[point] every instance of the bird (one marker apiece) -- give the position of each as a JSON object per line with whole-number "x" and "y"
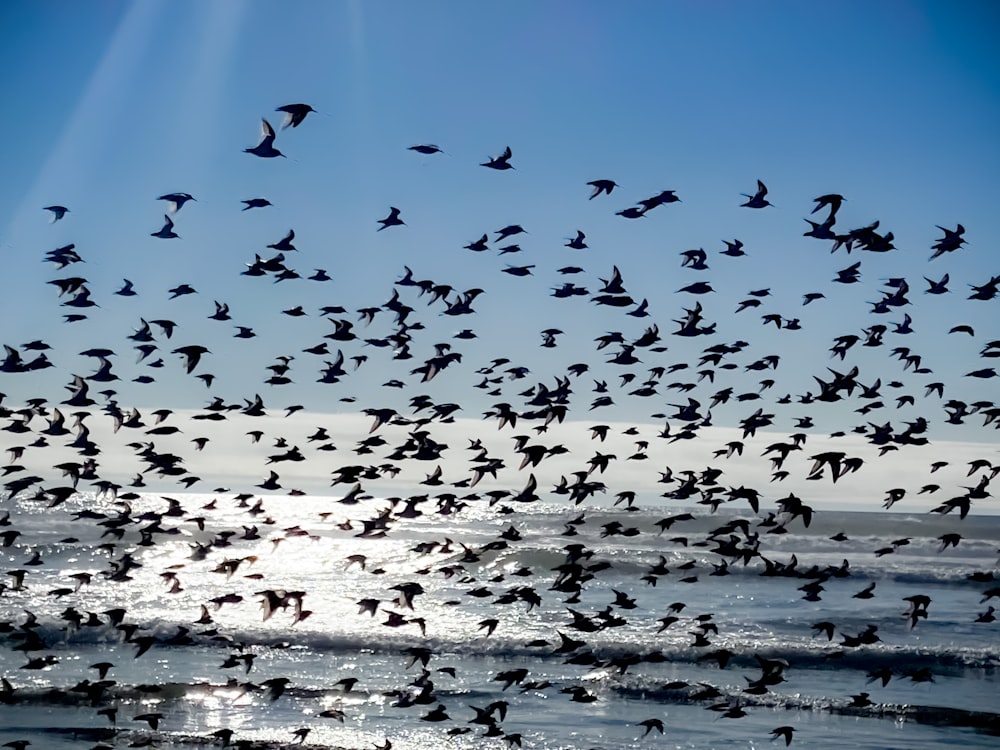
{"x": 501, "y": 162}
{"x": 265, "y": 147}
{"x": 632, "y": 212}
{"x": 175, "y": 201}
{"x": 867, "y": 592}
{"x": 758, "y": 199}
{"x": 392, "y": 220}
{"x": 294, "y": 114}
{"x": 601, "y": 186}
{"x": 951, "y": 241}
{"x": 255, "y": 203}
{"x": 166, "y": 232}
{"x": 152, "y": 718}
{"x": 284, "y": 245}
{"x": 577, "y": 243}
{"x": 733, "y": 249}
{"x": 784, "y": 732}
{"x": 192, "y": 354}
{"x": 58, "y": 212}
{"x": 651, "y": 724}
{"x": 181, "y": 290}
{"x": 832, "y": 201}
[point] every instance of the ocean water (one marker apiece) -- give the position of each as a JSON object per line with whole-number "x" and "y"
{"x": 552, "y": 615}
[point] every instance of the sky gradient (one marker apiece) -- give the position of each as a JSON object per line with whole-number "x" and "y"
{"x": 893, "y": 105}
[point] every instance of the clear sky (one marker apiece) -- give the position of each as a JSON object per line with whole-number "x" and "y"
{"x": 894, "y": 105}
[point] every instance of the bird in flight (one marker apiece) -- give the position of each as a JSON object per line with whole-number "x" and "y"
{"x": 57, "y": 212}
{"x": 601, "y": 186}
{"x": 758, "y": 199}
{"x": 577, "y": 243}
{"x": 294, "y": 114}
{"x": 783, "y": 732}
{"x": 500, "y": 162}
{"x": 951, "y": 241}
{"x": 833, "y": 200}
{"x": 166, "y": 232}
{"x": 392, "y": 220}
{"x": 265, "y": 148}
{"x": 192, "y": 355}
{"x": 176, "y": 201}
{"x": 255, "y": 203}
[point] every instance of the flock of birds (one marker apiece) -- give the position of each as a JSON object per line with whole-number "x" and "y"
{"x": 34, "y": 424}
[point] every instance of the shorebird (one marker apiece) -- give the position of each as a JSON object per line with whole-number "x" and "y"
{"x": 166, "y": 232}
{"x": 265, "y": 148}
{"x": 500, "y": 162}
{"x": 392, "y": 220}
{"x": 175, "y": 201}
{"x": 255, "y": 203}
{"x": 757, "y": 200}
{"x": 58, "y": 212}
{"x": 294, "y": 114}
{"x": 601, "y": 186}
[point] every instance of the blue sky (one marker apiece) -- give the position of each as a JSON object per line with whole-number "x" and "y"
{"x": 894, "y": 105}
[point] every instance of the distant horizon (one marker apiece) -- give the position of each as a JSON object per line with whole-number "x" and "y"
{"x": 229, "y": 447}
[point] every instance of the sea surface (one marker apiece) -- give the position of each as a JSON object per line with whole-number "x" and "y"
{"x": 538, "y": 625}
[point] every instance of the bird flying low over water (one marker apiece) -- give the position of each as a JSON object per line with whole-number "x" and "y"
{"x": 783, "y": 732}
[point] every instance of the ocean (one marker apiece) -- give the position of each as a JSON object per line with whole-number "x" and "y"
{"x": 268, "y": 621}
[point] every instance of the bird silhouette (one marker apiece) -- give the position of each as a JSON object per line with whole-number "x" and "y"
{"x": 501, "y": 162}
{"x": 175, "y": 201}
{"x": 265, "y": 147}
{"x": 758, "y": 199}
{"x": 392, "y": 220}
{"x": 166, "y": 232}
{"x": 58, "y": 212}
{"x": 601, "y": 186}
{"x": 255, "y": 203}
{"x": 294, "y": 114}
